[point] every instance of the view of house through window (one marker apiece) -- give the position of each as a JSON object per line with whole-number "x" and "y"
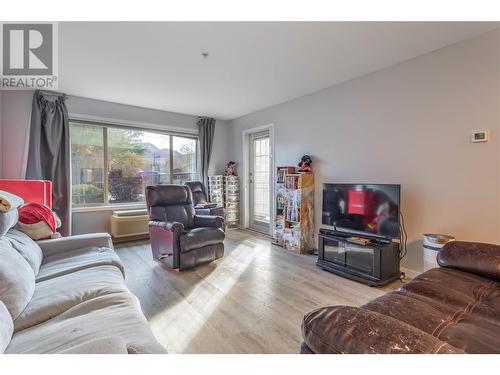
{"x": 114, "y": 165}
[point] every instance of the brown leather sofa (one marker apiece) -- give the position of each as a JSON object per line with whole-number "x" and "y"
{"x": 180, "y": 238}
{"x": 200, "y": 199}
{"x": 451, "y": 309}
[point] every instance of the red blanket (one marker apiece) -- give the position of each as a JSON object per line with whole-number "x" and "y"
{"x": 32, "y": 213}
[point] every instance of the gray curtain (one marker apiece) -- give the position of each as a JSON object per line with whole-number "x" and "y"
{"x": 206, "y": 128}
{"x": 48, "y": 155}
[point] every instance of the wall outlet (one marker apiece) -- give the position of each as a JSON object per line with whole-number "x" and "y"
{"x": 480, "y": 136}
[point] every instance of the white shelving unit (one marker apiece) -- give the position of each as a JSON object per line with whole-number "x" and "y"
{"x": 225, "y": 190}
{"x": 232, "y": 201}
{"x": 216, "y": 189}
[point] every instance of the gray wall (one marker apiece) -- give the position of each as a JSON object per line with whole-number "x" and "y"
{"x": 220, "y": 150}
{"x": 408, "y": 124}
{"x": 109, "y": 110}
{"x": 1, "y": 136}
{"x": 173, "y": 121}
{"x": 16, "y": 111}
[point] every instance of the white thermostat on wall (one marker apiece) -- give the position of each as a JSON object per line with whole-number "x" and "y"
{"x": 480, "y": 136}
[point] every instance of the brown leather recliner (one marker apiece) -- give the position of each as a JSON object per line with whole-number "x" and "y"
{"x": 180, "y": 238}
{"x": 200, "y": 199}
{"x": 451, "y": 309}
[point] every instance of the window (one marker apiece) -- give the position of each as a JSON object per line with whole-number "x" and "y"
{"x": 113, "y": 165}
{"x": 184, "y": 159}
{"x": 87, "y": 161}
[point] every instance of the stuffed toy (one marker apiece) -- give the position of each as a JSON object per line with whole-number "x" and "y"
{"x": 305, "y": 164}
{"x": 38, "y": 221}
{"x": 230, "y": 169}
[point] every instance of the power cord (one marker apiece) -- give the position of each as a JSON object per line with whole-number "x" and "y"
{"x": 403, "y": 237}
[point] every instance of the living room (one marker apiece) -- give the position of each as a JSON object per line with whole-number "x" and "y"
{"x": 250, "y": 187}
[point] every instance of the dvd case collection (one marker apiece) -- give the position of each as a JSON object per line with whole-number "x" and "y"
{"x": 293, "y": 221}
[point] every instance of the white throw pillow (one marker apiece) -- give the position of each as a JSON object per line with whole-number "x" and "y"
{"x": 6, "y": 327}
{"x": 17, "y": 280}
{"x": 9, "y": 201}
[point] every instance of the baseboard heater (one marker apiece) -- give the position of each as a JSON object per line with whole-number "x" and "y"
{"x": 129, "y": 225}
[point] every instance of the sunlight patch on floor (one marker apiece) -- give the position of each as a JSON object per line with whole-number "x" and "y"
{"x": 185, "y": 319}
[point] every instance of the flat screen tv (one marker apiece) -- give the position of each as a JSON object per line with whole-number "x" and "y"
{"x": 371, "y": 209}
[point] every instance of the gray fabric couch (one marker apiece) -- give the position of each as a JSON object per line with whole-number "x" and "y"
{"x": 67, "y": 295}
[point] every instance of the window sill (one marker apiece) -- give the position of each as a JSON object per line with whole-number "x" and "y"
{"x": 109, "y": 207}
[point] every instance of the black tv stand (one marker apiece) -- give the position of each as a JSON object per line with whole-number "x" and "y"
{"x": 375, "y": 263}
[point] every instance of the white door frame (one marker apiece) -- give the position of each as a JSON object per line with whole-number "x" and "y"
{"x": 246, "y": 168}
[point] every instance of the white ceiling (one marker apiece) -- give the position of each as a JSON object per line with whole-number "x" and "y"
{"x": 250, "y": 65}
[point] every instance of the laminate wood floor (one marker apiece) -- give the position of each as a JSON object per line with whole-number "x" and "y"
{"x": 250, "y": 301}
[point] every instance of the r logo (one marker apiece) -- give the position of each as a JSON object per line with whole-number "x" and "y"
{"x": 27, "y": 49}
